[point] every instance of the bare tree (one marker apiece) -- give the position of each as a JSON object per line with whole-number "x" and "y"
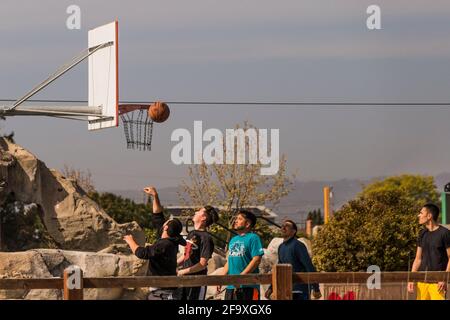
{"x": 235, "y": 186}
{"x": 82, "y": 178}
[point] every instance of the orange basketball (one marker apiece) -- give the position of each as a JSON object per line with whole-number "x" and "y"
{"x": 159, "y": 111}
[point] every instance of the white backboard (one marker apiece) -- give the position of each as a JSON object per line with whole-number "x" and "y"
{"x": 103, "y": 75}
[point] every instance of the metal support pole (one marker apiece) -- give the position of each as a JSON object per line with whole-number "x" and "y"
{"x": 59, "y": 73}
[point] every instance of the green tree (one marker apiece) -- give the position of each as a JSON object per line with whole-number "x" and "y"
{"x": 125, "y": 210}
{"x": 414, "y": 187}
{"x": 379, "y": 227}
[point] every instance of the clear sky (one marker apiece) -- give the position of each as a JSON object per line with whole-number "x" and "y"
{"x": 250, "y": 50}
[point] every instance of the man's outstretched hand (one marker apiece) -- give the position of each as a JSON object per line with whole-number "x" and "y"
{"x": 150, "y": 191}
{"x": 128, "y": 239}
{"x": 131, "y": 242}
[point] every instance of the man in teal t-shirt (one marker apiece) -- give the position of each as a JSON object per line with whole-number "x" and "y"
{"x": 244, "y": 256}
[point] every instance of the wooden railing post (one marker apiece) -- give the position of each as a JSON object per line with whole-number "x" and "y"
{"x": 282, "y": 282}
{"x": 73, "y": 283}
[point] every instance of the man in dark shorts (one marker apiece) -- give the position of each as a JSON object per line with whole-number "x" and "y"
{"x": 199, "y": 245}
{"x": 433, "y": 253}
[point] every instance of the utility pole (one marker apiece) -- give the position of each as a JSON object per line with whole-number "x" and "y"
{"x": 327, "y": 203}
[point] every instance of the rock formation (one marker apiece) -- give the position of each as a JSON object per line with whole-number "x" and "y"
{"x": 63, "y": 215}
{"x": 48, "y": 263}
{"x": 42, "y": 209}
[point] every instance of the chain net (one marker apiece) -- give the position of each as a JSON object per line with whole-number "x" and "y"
{"x": 138, "y": 128}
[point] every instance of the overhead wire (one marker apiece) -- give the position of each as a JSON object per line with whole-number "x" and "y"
{"x": 261, "y": 103}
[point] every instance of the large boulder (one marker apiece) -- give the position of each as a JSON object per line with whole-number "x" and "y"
{"x": 48, "y": 263}
{"x": 70, "y": 217}
{"x": 105, "y": 265}
{"x": 27, "y": 264}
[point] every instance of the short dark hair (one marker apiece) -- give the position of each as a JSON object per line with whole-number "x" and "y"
{"x": 433, "y": 209}
{"x": 294, "y": 225}
{"x": 174, "y": 228}
{"x": 211, "y": 215}
{"x": 249, "y": 216}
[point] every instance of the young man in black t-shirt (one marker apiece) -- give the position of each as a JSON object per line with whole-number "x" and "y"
{"x": 199, "y": 249}
{"x": 433, "y": 253}
{"x": 162, "y": 256}
{"x": 199, "y": 245}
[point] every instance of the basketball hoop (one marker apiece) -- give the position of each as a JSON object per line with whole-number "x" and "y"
{"x": 103, "y": 109}
{"x": 138, "y": 119}
{"x": 137, "y": 125}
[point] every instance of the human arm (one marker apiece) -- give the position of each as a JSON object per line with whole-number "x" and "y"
{"x": 146, "y": 252}
{"x": 180, "y": 260}
{"x": 256, "y": 251}
{"x": 141, "y": 252}
{"x": 253, "y": 264}
{"x": 302, "y": 256}
{"x": 158, "y": 218}
{"x": 415, "y": 267}
{"x": 225, "y": 269}
{"x": 202, "y": 264}
{"x": 207, "y": 249}
{"x": 131, "y": 243}
{"x": 442, "y": 286}
{"x": 156, "y": 204}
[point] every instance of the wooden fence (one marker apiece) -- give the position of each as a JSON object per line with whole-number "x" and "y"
{"x": 281, "y": 278}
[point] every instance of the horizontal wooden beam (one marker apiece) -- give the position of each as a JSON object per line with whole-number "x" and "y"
{"x": 192, "y": 281}
{"x": 43, "y": 283}
{"x": 361, "y": 277}
{"x": 136, "y": 282}
{"x": 174, "y": 281}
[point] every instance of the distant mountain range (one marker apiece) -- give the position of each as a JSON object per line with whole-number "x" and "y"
{"x": 305, "y": 196}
